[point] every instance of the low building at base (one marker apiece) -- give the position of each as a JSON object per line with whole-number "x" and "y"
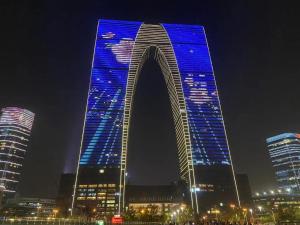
{"x": 164, "y": 198}
{"x": 29, "y": 207}
{"x": 276, "y": 199}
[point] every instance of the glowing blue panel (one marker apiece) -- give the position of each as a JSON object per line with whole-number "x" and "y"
{"x": 209, "y": 145}
{"x": 104, "y": 117}
{"x": 186, "y": 33}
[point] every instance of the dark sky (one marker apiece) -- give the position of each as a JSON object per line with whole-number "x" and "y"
{"x": 152, "y": 151}
{"x": 45, "y": 57}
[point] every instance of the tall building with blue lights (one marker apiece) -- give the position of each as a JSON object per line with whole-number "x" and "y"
{"x": 284, "y": 151}
{"x": 121, "y": 48}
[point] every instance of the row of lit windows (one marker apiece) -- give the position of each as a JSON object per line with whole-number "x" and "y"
{"x": 107, "y": 202}
{"x": 95, "y": 185}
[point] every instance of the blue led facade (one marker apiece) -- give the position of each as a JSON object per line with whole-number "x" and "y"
{"x": 209, "y": 145}
{"x": 121, "y": 48}
{"x": 103, "y": 128}
{"x": 104, "y": 118}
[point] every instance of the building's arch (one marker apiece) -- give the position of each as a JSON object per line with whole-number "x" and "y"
{"x": 121, "y": 49}
{"x": 153, "y": 41}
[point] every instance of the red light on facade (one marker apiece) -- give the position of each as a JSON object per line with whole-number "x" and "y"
{"x": 117, "y": 219}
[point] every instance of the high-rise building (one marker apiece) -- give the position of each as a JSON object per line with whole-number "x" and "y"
{"x": 121, "y": 48}
{"x": 15, "y": 129}
{"x": 284, "y": 150}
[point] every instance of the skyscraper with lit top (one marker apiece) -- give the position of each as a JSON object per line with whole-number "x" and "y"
{"x": 15, "y": 129}
{"x": 284, "y": 150}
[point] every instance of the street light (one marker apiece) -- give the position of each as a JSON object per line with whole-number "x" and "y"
{"x": 259, "y": 208}
{"x": 251, "y": 213}
{"x": 174, "y": 215}
{"x": 38, "y": 209}
{"x": 55, "y": 211}
{"x": 216, "y": 211}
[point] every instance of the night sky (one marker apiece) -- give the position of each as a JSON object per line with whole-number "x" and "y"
{"x": 45, "y": 58}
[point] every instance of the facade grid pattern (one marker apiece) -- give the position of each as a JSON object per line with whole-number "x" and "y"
{"x": 15, "y": 129}
{"x": 121, "y": 48}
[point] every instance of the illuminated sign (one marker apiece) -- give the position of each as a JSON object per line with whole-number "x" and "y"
{"x": 117, "y": 219}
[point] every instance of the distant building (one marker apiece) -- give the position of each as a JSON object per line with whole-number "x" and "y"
{"x": 23, "y": 207}
{"x": 15, "y": 129}
{"x": 276, "y": 199}
{"x": 284, "y": 150}
{"x": 65, "y": 192}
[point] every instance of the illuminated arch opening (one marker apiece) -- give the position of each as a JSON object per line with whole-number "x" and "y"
{"x": 152, "y": 149}
{"x": 162, "y": 52}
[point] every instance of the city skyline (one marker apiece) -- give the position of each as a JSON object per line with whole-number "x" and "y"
{"x": 249, "y": 66}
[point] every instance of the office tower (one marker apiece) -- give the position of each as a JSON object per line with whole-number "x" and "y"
{"x": 284, "y": 151}
{"x": 15, "y": 129}
{"x": 121, "y": 48}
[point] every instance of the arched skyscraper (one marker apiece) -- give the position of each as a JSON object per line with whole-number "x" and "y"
{"x": 121, "y": 48}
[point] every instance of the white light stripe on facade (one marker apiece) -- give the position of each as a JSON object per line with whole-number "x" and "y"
{"x": 83, "y": 127}
{"x": 8, "y": 171}
{"x": 9, "y": 154}
{"x": 12, "y": 147}
{"x": 12, "y": 163}
{"x": 13, "y": 142}
{"x": 232, "y": 167}
{"x": 9, "y": 180}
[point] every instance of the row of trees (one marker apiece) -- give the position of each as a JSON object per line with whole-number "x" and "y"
{"x": 281, "y": 213}
{"x": 146, "y": 214}
{"x": 152, "y": 213}
{"x": 265, "y": 214}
